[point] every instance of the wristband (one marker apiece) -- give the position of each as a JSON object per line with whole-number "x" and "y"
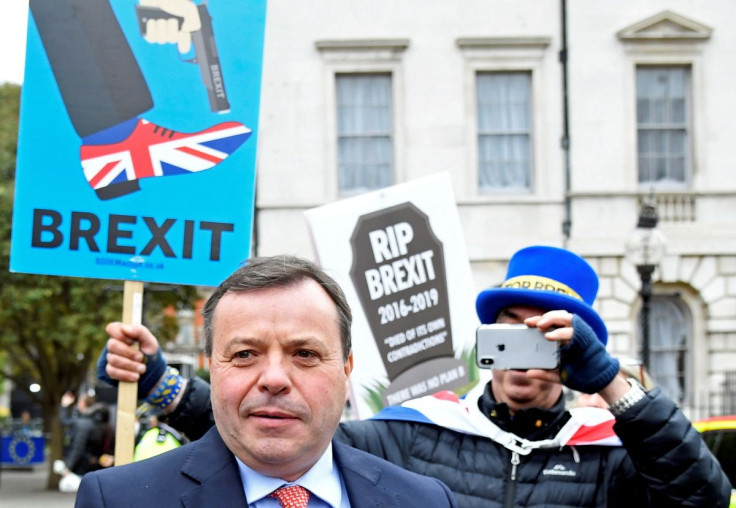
{"x": 167, "y": 390}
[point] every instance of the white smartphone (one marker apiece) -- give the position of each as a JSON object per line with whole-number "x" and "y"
{"x": 514, "y": 346}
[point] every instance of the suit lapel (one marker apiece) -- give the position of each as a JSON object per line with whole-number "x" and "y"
{"x": 363, "y": 477}
{"x": 214, "y": 470}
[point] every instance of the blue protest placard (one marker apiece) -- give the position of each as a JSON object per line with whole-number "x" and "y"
{"x": 137, "y": 141}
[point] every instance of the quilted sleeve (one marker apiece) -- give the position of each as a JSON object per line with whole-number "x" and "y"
{"x": 669, "y": 455}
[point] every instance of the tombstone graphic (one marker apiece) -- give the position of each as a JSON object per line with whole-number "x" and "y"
{"x": 398, "y": 271}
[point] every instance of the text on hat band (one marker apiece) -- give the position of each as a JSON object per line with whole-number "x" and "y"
{"x": 538, "y": 283}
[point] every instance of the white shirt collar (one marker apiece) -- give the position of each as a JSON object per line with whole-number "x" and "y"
{"x": 322, "y": 479}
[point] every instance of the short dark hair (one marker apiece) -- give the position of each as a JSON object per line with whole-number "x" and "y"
{"x": 278, "y": 271}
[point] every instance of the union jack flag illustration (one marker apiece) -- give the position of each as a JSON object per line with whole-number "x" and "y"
{"x": 586, "y": 426}
{"x": 152, "y": 151}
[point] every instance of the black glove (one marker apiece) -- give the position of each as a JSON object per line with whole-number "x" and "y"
{"x": 155, "y": 368}
{"x": 585, "y": 365}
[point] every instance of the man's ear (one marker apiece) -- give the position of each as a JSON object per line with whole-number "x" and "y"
{"x": 348, "y": 370}
{"x": 349, "y": 365}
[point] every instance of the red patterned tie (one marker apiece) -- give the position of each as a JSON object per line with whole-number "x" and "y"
{"x": 293, "y": 496}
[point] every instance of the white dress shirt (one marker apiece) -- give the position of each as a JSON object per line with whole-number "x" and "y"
{"x": 323, "y": 480}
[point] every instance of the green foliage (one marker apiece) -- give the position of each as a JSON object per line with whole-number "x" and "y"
{"x": 467, "y": 355}
{"x": 373, "y": 395}
{"x": 9, "y": 104}
{"x": 52, "y": 328}
{"x": 203, "y": 374}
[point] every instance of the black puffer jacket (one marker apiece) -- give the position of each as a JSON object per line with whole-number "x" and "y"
{"x": 663, "y": 463}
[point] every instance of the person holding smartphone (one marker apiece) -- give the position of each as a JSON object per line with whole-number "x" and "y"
{"x": 512, "y": 442}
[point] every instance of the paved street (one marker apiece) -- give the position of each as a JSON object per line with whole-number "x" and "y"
{"x": 26, "y": 489}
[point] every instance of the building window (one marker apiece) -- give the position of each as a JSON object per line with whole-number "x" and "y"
{"x": 185, "y": 336}
{"x": 663, "y": 124}
{"x": 504, "y": 130}
{"x": 671, "y": 327}
{"x": 364, "y": 132}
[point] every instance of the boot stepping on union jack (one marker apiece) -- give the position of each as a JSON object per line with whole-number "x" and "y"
{"x": 113, "y": 170}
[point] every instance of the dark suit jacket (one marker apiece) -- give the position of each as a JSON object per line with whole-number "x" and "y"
{"x": 204, "y": 473}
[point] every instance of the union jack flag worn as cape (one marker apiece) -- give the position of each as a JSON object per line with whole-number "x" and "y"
{"x": 151, "y": 150}
{"x": 587, "y": 425}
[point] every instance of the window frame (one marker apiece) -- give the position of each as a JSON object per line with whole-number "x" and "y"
{"x": 664, "y": 39}
{"x": 361, "y": 56}
{"x": 529, "y": 133}
{"x": 505, "y": 54}
{"x": 365, "y": 135}
{"x": 688, "y": 155}
{"x": 684, "y": 373}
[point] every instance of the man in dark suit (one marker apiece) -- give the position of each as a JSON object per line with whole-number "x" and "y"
{"x": 277, "y": 334}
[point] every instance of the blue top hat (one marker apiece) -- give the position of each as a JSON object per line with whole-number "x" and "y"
{"x": 549, "y": 278}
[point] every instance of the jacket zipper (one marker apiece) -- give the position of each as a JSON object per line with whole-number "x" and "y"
{"x": 511, "y": 486}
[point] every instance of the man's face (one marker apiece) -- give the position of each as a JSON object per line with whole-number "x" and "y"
{"x": 513, "y": 386}
{"x": 279, "y": 381}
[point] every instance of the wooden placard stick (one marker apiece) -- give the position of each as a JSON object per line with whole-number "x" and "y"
{"x": 128, "y": 391}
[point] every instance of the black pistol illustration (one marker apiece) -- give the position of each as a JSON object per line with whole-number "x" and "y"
{"x": 205, "y": 52}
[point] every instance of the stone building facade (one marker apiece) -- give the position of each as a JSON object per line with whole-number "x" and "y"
{"x": 605, "y": 102}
